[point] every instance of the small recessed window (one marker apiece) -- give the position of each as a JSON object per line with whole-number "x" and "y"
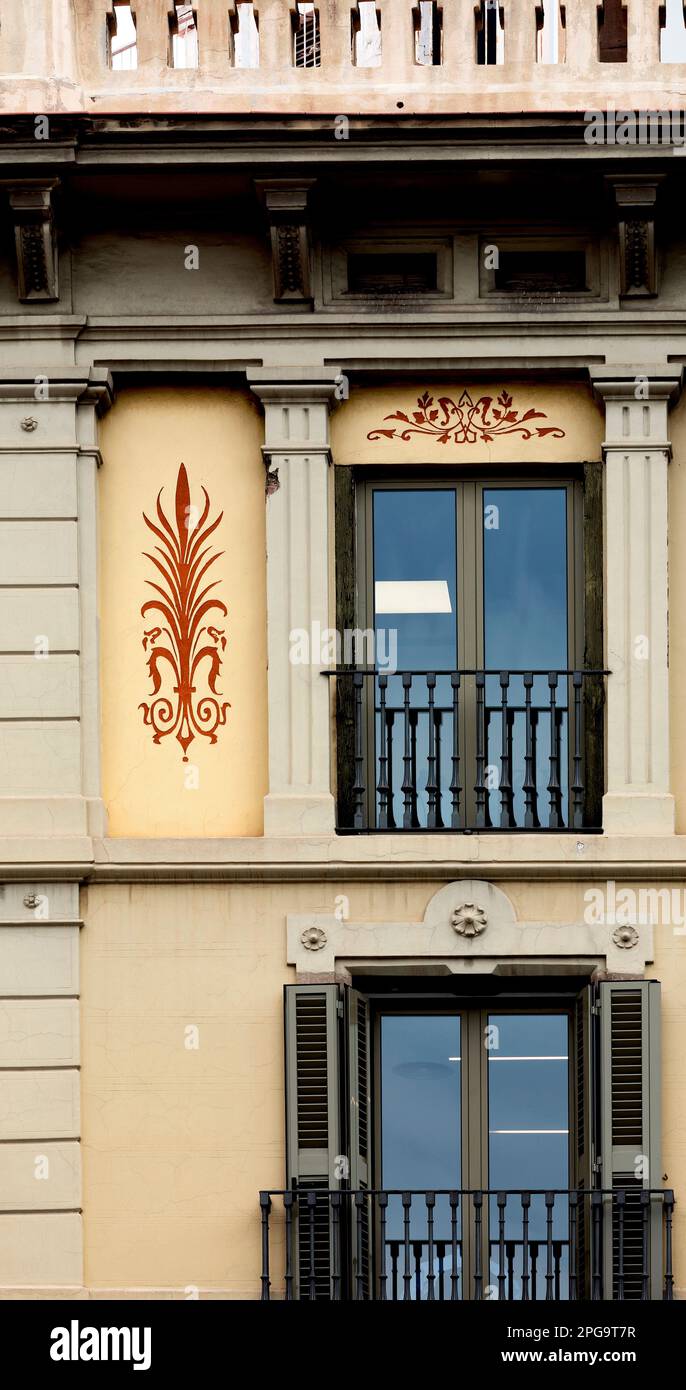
{"x": 184, "y": 37}
{"x": 540, "y": 272}
{"x": 245, "y": 35}
{"x": 306, "y": 46}
{"x": 121, "y": 27}
{"x": 370, "y": 273}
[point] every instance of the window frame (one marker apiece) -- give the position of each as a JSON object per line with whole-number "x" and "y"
{"x": 469, "y": 486}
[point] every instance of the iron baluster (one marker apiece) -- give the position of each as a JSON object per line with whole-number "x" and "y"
{"x": 408, "y": 789}
{"x": 383, "y": 786}
{"x": 433, "y": 813}
{"x": 265, "y": 1206}
{"x": 482, "y": 816}
{"x": 289, "y": 1200}
{"x": 549, "y": 1275}
{"x": 407, "y": 1278}
{"x": 478, "y": 1274}
{"x": 596, "y": 1249}
{"x": 336, "y": 1246}
{"x": 502, "y": 1203}
{"x": 573, "y": 1255}
{"x": 530, "y": 789}
{"x": 382, "y": 1203}
{"x": 455, "y": 788}
{"x": 526, "y": 1203}
{"x": 454, "y": 1277}
{"x": 668, "y": 1294}
{"x": 555, "y": 820}
{"x": 507, "y": 820}
{"x": 430, "y": 1204}
{"x": 359, "y": 789}
{"x": 577, "y": 778}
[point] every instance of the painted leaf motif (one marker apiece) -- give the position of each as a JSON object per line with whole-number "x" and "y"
{"x": 189, "y": 708}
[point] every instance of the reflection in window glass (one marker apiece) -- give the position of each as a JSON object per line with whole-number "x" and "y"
{"x": 526, "y": 627}
{"x": 421, "y": 1130}
{"x": 528, "y": 1136}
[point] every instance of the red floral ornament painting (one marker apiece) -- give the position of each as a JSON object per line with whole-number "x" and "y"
{"x": 185, "y": 649}
{"x": 466, "y": 421}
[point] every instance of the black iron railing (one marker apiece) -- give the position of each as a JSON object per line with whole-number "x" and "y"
{"x": 517, "y": 1246}
{"x": 469, "y": 749}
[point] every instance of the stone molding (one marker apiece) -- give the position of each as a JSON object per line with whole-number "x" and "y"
{"x": 432, "y": 946}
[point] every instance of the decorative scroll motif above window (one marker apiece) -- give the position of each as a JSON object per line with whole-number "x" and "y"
{"x": 466, "y": 421}
{"x": 185, "y": 647}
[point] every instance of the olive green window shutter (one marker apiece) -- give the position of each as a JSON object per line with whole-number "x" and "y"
{"x": 629, "y": 1138}
{"x": 314, "y": 1083}
{"x": 358, "y": 1093}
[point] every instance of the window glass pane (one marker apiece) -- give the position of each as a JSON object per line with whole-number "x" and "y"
{"x": 528, "y": 1135}
{"x": 415, "y": 605}
{"x": 421, "y": 1129}
{"x": 526, "y": 627}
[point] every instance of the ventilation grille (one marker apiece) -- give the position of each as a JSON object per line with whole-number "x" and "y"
{"x": 362, "y": 1074}
{"x": 392, "y": 273}
{"x": 311, "y": 1072}
{"x": 541, "y": 272}
{"x": 627, "y": 1068}
{"x": 314, "y": 1230}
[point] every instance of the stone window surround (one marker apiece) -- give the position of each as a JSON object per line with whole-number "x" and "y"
{"x": 470, "y": 928}
{"x": 636, "y": 452}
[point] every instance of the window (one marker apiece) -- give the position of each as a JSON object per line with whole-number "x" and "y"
{"x": 386, "y": 273}
{"x": 184, "y": 37}
{"x": 502, "y": 1133}
{"x": 470, "y": 711}
{"x": 612, "y": 32}
{"x": 245, "y": 36}
{"x": 366, "y": 35}
{"x": 121, "y": 31}
{"x": 540, "y": 272}
{"x": 306, "y": 44}
{"x": 427, "y": 34}
{"x": 490, "y": 34}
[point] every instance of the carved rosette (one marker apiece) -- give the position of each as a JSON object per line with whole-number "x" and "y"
{"x": 469, "y": 919}
{"x": 625, "y": 937}
{"x": 313, "y": 938}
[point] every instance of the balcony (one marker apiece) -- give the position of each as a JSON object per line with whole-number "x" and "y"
{"x": 391, "y": 57}
{"x": 515, "y": 1246}
{"x": 469, "y": 750}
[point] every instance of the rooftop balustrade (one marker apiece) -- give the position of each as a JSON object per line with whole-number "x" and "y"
{"x": 342, "y": 57}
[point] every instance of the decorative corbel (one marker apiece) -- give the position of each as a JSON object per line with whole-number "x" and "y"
{"x": 636, "y": 198}
{"x": 34, "y": 237}
{"x": 286, "y": 203}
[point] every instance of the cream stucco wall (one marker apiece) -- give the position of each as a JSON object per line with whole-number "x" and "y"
{"x": 217, "y": 434}
{"x": 677, "y": 609}
{"x": 178, "y": 1139}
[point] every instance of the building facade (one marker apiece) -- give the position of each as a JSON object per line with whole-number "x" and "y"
{"x": 342, "y": 598}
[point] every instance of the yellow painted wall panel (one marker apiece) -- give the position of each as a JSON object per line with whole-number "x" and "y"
{"x": 146, "y": 437}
